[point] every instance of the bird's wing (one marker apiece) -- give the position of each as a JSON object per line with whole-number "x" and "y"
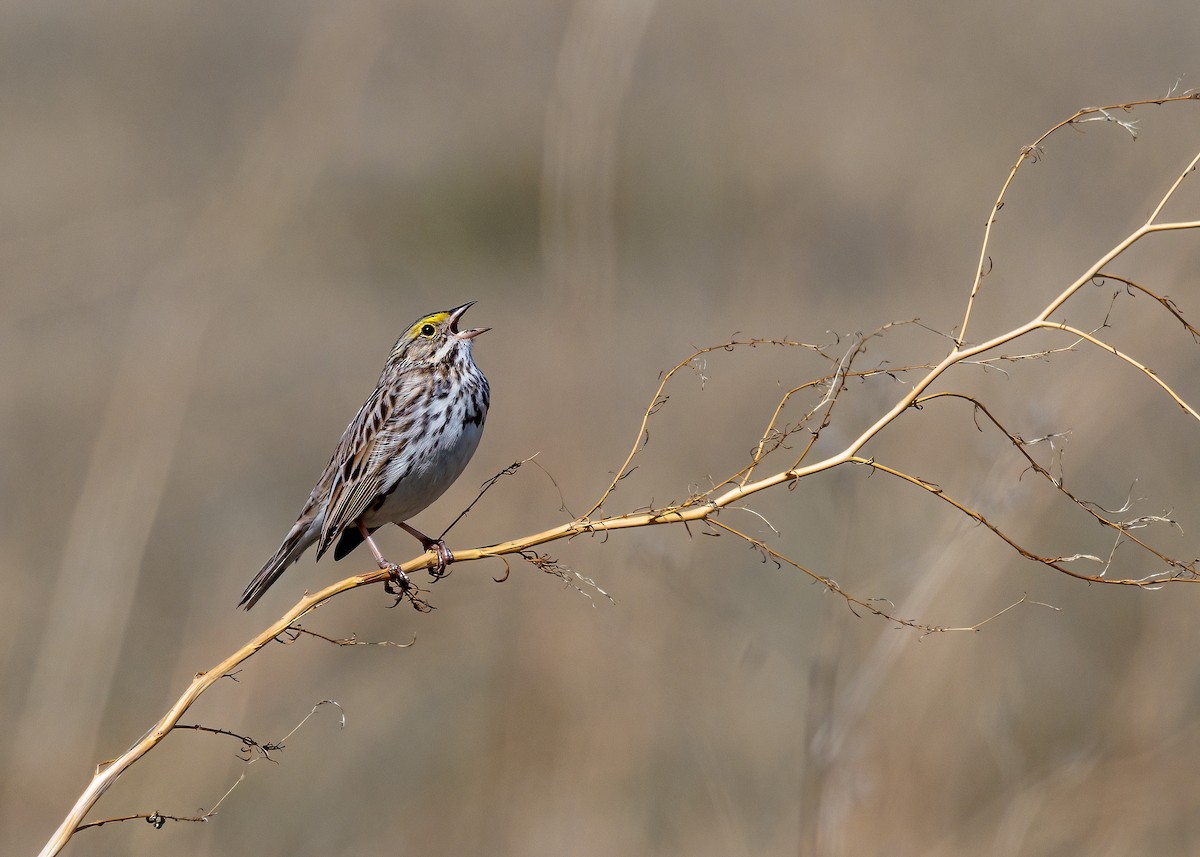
{"x": 356, "y": 471}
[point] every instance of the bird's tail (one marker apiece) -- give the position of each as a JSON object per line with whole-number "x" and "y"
{"x": 297, "y": 541}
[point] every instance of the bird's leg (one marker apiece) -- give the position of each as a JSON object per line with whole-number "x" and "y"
{"x": 444, "y": 556}
{"x": 398, "y": 584}
{"x": 383, "y": 563}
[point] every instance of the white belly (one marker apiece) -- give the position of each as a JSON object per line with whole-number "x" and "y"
{"x": 413, "y": 481}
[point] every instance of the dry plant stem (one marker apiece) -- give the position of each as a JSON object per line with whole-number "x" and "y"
{"x": 1033, "y": 152}
{"x": 658, "y": 400}
{"x": 851, "y": 600}
{"x": 1053, "y": 562}
{"x": 1166, "y": 302}
{"x": 202, "y": 681}
{"x": 704, "y": 506}
{"x": 1124, "y": 530}
{"x": 962, "y": 354}
{"x": 773, "y": 437}
{"x": 1141, "y": 367}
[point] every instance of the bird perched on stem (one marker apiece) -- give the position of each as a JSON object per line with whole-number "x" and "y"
{"x": 405, "y": 447}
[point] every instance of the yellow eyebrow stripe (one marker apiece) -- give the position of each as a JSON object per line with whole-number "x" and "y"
{"x": 436, "y": 320}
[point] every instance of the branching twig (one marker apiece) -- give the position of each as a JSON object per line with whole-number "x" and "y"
{"x": 1185, "y": 570}
{"x": 484, "y": 488}
{"x": 295, "y": 632}
{"x": 158, "y": 819}
{"x": 704, "y": 506}
{"x": 659, "y": 399}
{"x": 1185, "y": 575}
{"x": 1116, "y": 352}
{"x": 852, "y": 601}
{"x": 978, "y": 626}
{"x": 1167, "y": 303}
{"x": 1033, "y": 153}
{"x": 248, "y": 743}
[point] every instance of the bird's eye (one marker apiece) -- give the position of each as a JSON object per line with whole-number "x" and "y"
{"x": 427, "y": 330}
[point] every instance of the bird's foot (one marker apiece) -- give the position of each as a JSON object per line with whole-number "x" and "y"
{"x": 438, "y": 546}
{"x": 444, "y": 558}
{"x": 397, "y": 583}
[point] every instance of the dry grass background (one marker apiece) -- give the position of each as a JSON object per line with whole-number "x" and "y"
{"x": 217, "y": 217}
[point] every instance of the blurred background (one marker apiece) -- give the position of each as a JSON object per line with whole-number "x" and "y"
{"x": 217, "y": 217}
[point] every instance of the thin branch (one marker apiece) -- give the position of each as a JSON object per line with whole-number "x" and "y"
{"x": 1178, "y": 181}
{"x": 1168, "y": 304}
{"x": 1054, "y": 562}
{"x": 978, "y": 626}
{"x": 704, "y": 506}
{"x": 1033, "y": 153}
{"x": 659, "y": 399}
{"x": 837, "y": 385}
{"x": 158, "y": 819}
{"x": 295, "y": 632}
{"x": 248, "y": 743}
{"x": 773, "y": 438}
{"x": 1116, "y": 352}
{"x": 1122, "y": 528}
{"x": 484, "y": 488}
{"x": 852, "y": 601}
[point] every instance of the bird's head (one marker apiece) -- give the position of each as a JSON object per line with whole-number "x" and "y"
{"x": 436, "y": 337}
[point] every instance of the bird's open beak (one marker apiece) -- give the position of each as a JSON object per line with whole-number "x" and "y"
{"x": 456, "y": 314}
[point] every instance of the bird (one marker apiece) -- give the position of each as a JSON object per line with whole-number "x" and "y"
{"x": 407, "y": 444}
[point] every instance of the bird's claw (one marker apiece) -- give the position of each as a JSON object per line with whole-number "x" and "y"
{"x": 444, "y": 558}
{"x": 397, "y": 583}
